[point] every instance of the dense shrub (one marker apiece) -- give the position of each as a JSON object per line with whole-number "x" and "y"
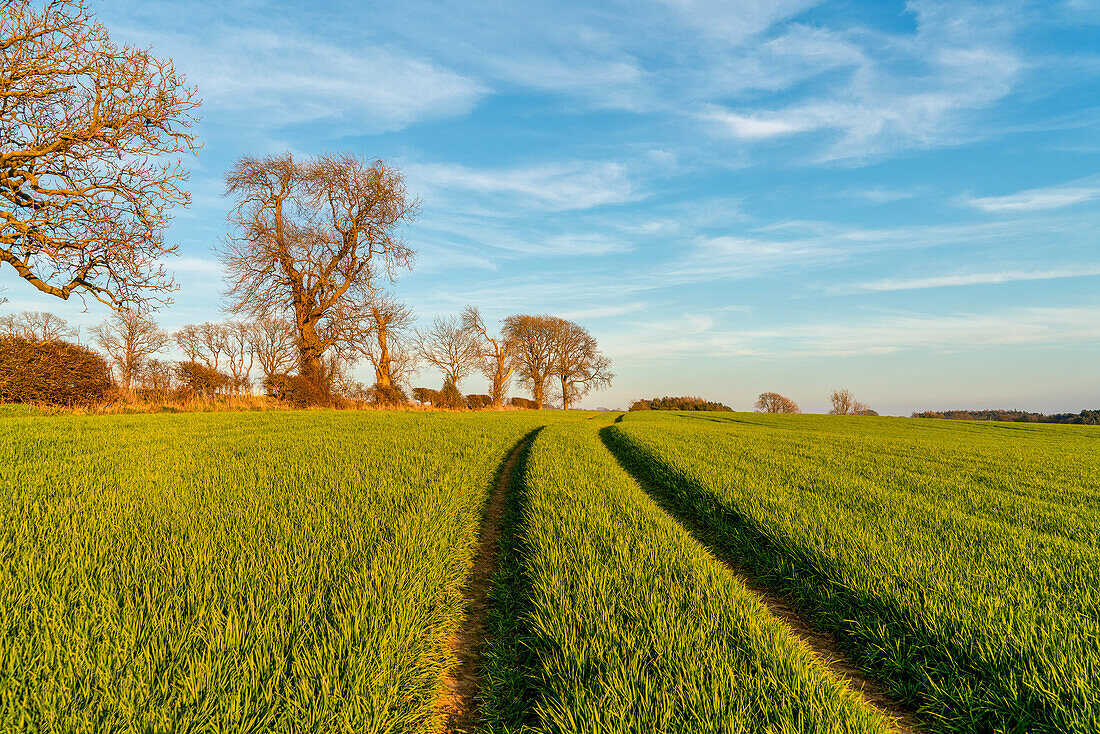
{"x": 425, "y": 395}
{"x": 523, "y": 403}
{"x": 198, "y": 379}
{"x": 297, "y": 390}
{"x": 478, "y": 402}
{"x": 684, "y": 403}
{"x": 52, "y": 372}
{"x": 387, "y": 396}
{"x": 450, "y": 397}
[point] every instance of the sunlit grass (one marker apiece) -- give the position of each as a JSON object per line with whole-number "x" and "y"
{"x": 292, "y": 571}
{"x": 958, "y": 560}
{"x": 609, "y": 617}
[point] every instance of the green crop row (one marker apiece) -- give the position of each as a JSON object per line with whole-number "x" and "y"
{"x": 608, "y": 617}
{"x": 959, "y": 562}
{"x": 290, "y": 572}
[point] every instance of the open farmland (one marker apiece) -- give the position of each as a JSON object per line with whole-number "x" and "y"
{"x": 310, "y": 571}
{"x": 958, "y": 560}
{"x": 216, "y": 572}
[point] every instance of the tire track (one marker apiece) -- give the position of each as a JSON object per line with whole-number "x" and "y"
{"x": 458, "y": 705}
{"x": 823, "y": 646}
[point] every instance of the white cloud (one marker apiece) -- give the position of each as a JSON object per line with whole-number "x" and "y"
{"x": 964, "y": 279}
{"x": 282, "y": 74}
{"x": 904, "y": 91}
{"x": 555, "y": 187}
{"x": 1035, "y": 199}
{"x": 868, "y": 336}
{"x": 752, "y": 128}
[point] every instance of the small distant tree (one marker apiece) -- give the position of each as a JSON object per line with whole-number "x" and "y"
{"x": 156, "y": 376}
{"x": 845, "y": 404}
{"x": 450, "y": 346}
{"x": 523, "y": 403}
{"x": 495, "y": 355}
{"x": 423, "y": 395}
{"x": 129, "y": 338}
{"x": 450, "y": 397}
{"x": 237, "y": 339}
{"x": 91, "y": 138}
{"x": 773, "y": 402}
{"x": 272, "y": 342}
{"x": 478, "y": 402}
{"x": 532, "y": 339}
{"x": 201, "y": 379}
{"x": 577, "y": 363}
{"x": 36, "y": 326}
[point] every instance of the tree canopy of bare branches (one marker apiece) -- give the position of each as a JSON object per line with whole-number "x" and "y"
{"x": 90, "y": 139}
{"x": 843, "y": 403}
{"x": 236, "y": 344}
{"x": 310, "y": 239}
{"x": 494, "y": 354}
{"x": 381, "y": 338}
{"x": 129, "y": 338}
{"x": 36, "y": 326}
{"x": 577, "y": 363}
{"x": 773, "y": 402}
{"x": 532, "y": 339}
{"x": 273, "y": 344}
{"x": 451, "y": 347}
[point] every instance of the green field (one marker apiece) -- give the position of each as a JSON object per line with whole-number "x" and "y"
{"x": 303, "y": 571}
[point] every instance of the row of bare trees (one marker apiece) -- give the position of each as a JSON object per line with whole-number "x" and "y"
{"x": 92, "y": 136}
{"x": 841, "y": 400}
{"x": 550, "y": 356}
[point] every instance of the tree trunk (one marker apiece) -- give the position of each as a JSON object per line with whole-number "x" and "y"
{"x": 564, "y": 394}
{"x": 537, "y": 393}
{"x": 383, "y": 371}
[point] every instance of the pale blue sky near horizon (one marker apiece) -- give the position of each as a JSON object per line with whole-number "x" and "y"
{"x": 735, "y": 197}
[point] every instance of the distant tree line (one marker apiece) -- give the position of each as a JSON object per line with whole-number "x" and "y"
{"x": 683, "y": 403}
{"x": 1085, "y": 417}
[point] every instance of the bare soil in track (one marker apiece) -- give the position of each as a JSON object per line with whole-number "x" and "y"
{"x": 824, "y": 648}
{"x": 458, "y": 705}
{"x": 822, "y": 645}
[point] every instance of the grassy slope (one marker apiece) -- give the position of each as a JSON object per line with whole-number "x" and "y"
{"x": 291, "y": 571}
{"x": 608, "y": 617}
{"x": 960, "y": 560}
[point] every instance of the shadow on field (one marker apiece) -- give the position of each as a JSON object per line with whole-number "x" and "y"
{"x": 793, "y": 585}
{"x": 509, "y": 673}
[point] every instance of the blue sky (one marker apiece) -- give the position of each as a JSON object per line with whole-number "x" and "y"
{"x": 898, "y": 198}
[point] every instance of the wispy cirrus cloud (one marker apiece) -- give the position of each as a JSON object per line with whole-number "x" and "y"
{"x": 1053, "y": 197}
{"x": 904, "y": 91}
{"x": 554, "y": 186}
{"x": 967, "y": 279}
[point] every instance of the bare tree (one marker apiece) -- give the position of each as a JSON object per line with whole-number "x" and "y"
{"x": 90, "y": 134}
{"x": 129, "y": 338}
{"x": 449, "y": 346}
{"x": 310, "y": 240}
{"x": 844, "y": 404}
{"x": 202, "y": 343}
{"x": 773, "y": 402}
{"x": 274, "y": 345}
{"x": 236, "y": 344}
{"x": 495, "y": 355}
{"x": 37, "y": 326}
{"x": 381, "y": 337}
{"x": 577, "y": 362}
{"x": 189, "y": 339}
{"x": 532, "y": 339}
